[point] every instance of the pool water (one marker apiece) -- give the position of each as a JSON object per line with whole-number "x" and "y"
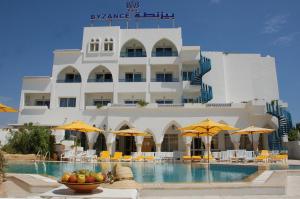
{"x": 145, "y": 172}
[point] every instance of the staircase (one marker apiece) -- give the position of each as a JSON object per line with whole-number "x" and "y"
{"x": 284, "y": 124}
{"x": 205, "y": 90}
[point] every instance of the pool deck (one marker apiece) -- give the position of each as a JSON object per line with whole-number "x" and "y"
{"x": 266, "y": 184}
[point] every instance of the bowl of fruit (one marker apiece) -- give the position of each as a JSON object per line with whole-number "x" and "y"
{"x": 82, "y": 181}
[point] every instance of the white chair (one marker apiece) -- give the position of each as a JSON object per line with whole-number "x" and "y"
{"x": 225, "y": 156}
{"x": 241, "y": 155}
{"x": 90, "y": 155}
{"x": 216, "y": 155}
{"x": 249, "y": 156}
{"x": 67, "y": 155}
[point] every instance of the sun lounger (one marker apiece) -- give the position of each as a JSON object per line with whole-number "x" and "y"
{"x": 90, "y": 155}
{"x": 187, "y": 158}
{"x": 249, "y": 156}
{"x": 240, "y": 155}
{"x": 279, "y": 158}
{"x": 196, "y": 158}
{"x": 139, "y": 158}
{"x": 263, "y": 157}
{"x": 126, "y": 158}
{"x": 149, "y": 158}
{"x": 117, "y": 156}
{"x": 211, "y": 158}
{"x": 104, "y": 156}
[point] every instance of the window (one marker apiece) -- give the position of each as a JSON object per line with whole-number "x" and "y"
{"x": 131, "y": 101}
{"x": 135, "y": 52}
{"x": 101, "y": 77}
{"x": 101, "y": 102}
{"x": 187, "y": 75}
{"x": 42, "y": 103}
{"x": 108, "y": 45}
{"x": 164, "y": 101}
{"x": 164, "y": 52}
{"x": 170, "y": 143}
{"x": 73, "y": 78}
{"x": 164, "y": 77}
{"x": 189, "y": 100}
{"x": 67, "y": 102}
{"x": 133, "y": 77}
{"x": 94, "y": 45}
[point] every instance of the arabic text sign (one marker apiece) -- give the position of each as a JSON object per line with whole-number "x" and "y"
{"x": 127, "y": 16}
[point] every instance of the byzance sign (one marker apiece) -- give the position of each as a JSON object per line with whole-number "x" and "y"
{"x": 132, "y": 13}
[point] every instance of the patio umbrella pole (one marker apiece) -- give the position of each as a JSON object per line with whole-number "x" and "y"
{"x": 253, "y": 143}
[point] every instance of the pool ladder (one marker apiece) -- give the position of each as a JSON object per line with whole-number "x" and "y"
{"x": 42, "y": 157}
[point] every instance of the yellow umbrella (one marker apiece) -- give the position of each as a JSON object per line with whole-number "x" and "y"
{"x": 78, "y": 126}
{"x": 251, "y": 130}
{"x": 131, "y": 132}
{"x": 4, "y": 108}
{"x": 206, "y": 128}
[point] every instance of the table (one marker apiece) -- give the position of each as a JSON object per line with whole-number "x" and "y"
{"x": 103, "y": 193}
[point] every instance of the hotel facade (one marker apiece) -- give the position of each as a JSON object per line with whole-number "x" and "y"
{"x": 107, "y": 82}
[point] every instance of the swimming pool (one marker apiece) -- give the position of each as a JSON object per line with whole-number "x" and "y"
{"x": 146, "y": 172}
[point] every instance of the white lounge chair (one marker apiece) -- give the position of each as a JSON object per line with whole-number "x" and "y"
{"x": 249, "y": 156}
{"x": 225, "y": 156}
{"x": 90, "y": 155}
{"x": 67, "y": 155}
{"x": 216, "y": 155}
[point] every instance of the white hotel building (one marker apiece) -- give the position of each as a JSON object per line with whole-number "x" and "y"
{"x": 116, "y": 68}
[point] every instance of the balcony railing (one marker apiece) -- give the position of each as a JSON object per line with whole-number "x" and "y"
{"x": 165, "y": 80}
{"x": 133, "y": 54}
{"x": 205, "y": 65}
{"x": 132, "y": 80}
{"x": 165, "y": 54}
{"x": 68, "y": 81}
{"x": 100, "y": 80}
{"x": 170, "y": 105}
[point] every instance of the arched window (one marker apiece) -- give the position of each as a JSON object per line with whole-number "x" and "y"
{"x": 108, "y": 45}
{"x": 94, "y": 45}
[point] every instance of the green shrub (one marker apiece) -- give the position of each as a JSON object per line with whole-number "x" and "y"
{"x": 293, "y": 134}
{"x": 30, "y": 139}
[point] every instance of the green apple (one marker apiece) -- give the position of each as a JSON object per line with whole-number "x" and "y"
{"x": 99, "y": 177}
{"x": 81, "y": 178}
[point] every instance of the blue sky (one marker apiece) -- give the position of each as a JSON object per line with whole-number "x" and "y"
{"x": 32, "y": 29}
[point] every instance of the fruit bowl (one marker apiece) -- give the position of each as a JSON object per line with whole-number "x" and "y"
{"x": 82, "y": 187}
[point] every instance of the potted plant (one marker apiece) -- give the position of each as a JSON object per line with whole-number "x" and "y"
{"x": 99, "y": 106}
{"x": 2, "y": 167}
{"x": 142, "y": 103}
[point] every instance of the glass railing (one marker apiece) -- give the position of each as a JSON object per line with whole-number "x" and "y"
{"x": 133, "y": 54}
{"x": 165, "y": 80}
{"x": 68, "y": 81}
{"x": 132, "y": 80}
{"x": 100, "y": 80}
{"x": 165, "y": 54}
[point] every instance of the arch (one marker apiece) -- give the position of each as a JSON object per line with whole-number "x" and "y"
{"x": 164, "y": 48}
{"x": 100, "y": 144}
{"x": 148, "y": 144}
{"x": 123, "y": 123}
{"x": 133, "y": 48}
{"x": 69, "y": 74}
{"x": 126, "y": 144}
{"x": 171, "y": 141}
{"x": 100, "y": 74}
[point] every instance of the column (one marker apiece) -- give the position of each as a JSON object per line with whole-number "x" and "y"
{"x": 235, "y": 139}
{"x": 158, "y": 147}
{"x": 207, "y": 142}
{"x": 188, "y": 149}
{"x": 148, "y": 81}
{"x": 92, "y": 139}
{"x": 255, "y": 141}
{"x": 139, "y": 143}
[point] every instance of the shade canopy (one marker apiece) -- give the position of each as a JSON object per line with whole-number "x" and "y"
{"x": 78, "y": 126}
{"x": 209, "y": 127}
{"x": 4, "y": 108}
{"x": 194, "y": 133}
{"x": 131, "y": 132}
{"x": 253, "y": 130}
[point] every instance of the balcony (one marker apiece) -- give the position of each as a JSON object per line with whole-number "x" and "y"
{"x": 165, "y": 54}
{"x": 165, "y": 86}
{"x": 36, "y": 84}
{"x": 133, "y": 80}
{"x": 68, "y": 81}
{"x": 165, "y": 80}
{"x": 100, "y": 80}
{"x": 133, "y": 54}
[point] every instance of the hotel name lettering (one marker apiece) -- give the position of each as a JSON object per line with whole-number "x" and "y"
{"x": 128, "y": 16}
